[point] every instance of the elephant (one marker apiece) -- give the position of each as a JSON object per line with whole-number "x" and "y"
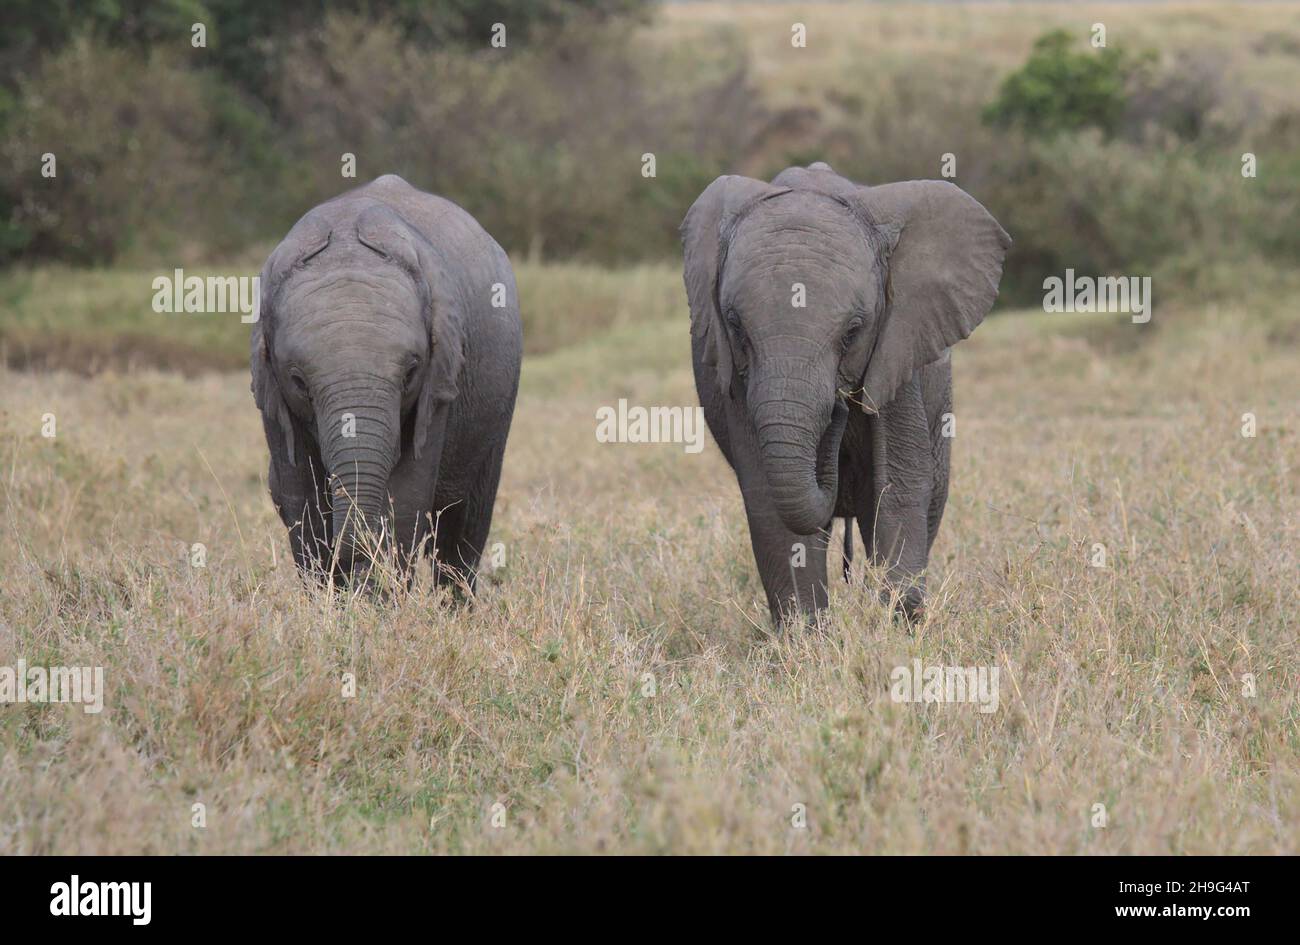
{"x": 823, "y": 314}
{"x": 385, "y": 362}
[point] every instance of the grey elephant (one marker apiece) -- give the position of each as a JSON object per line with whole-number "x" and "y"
{"x": 822, "y": 318}
{"x": 385, "y": 362}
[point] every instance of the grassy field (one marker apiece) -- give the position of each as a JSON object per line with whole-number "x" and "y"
{"x": 616, "y": 687}
{"x": 60, "y": 318}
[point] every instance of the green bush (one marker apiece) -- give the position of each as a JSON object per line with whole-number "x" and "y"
{"x": 1063, "y": 89}
{"x": 543, "y": 145}
{"x": 246, "y": 39}
{"x": 145, "y": 152}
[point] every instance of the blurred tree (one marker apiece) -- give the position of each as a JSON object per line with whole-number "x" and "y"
{"x": 235, "y": 82}
{"x": 246, "y": 38}
{"x": 1063, "y": 89}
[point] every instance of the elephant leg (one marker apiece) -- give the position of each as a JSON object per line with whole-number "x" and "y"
{"x": 902, "y": 485}
{"x": 448, "y": 527}
{"x": 300, "y": 496}
{"x": 411, "y": 486}
{"x": 792, "y": 567}
{"x": 463, "y": 527}
{"x": 936, "y": 390}
{"x": 938, "y": 493}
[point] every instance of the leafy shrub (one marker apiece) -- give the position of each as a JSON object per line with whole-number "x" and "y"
{"x": 246, "y": 39}
{"x": 543, "y": 145}
{"x": 1062, "y": 89}
{"x": 143, "y": 150}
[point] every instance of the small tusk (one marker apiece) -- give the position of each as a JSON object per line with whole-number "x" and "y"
{"x": 866, "y": 408}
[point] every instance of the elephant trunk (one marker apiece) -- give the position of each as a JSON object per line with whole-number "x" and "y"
{"x": 361, "y": 426}
{"x": 799, "y": 431}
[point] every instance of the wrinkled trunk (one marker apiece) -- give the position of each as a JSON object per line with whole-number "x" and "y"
{"x": 359, "y": 465}
{"x": 799, "y": 429}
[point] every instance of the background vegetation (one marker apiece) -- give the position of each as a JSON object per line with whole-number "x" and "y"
{"x": 1126, "y": 157}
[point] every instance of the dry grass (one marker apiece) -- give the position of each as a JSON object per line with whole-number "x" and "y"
{"x": 87, "y": 321}
{"x": 1119, "y": 686}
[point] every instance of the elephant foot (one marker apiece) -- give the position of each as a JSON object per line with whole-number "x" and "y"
{"x": 909, "y": 607}
{"x": 794, "y": 617}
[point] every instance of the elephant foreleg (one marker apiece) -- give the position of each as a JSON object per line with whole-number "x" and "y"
{"x": 300, "y": 495}
{"x": 896, "y": 527}
{"x": 464, "y": 526}
{"x": 936, "y": 391}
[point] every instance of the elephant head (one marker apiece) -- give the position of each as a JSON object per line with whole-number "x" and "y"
{"x": 812, "y": 294}
{"x": 357, "y": 347}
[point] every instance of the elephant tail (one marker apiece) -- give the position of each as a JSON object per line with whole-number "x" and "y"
{"x": 848, "y": 549}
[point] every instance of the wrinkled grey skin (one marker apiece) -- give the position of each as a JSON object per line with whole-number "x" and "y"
{"x": 835, "y": 408}
{"x": 379, "y": 305}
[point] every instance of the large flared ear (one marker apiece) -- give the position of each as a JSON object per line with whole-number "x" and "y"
{"x": 944, "y": 272}
{"x": 442, "y": 303}
{"x": 303, "y": 242}
{"x": 706, "y": 232}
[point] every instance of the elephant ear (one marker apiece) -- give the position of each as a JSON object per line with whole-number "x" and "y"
{"x": 944, "y": 271}
{"x": 305, "y": 240}
{"x": 442, "y": 301}
{"x": 706, "y": 232}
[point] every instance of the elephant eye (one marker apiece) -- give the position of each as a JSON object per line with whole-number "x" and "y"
{"x": 299, "y": 381}
{"x": 737, "y": 329}
{"x": 411, "y": 373}
{"x": 852, "y": 332}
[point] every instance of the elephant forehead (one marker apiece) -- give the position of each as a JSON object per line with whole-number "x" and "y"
{"x": 331, "y": 315}
{"x": 794, "y": 284}
{"x": 805, "y": 253}
{"x": 315, "y": 291}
